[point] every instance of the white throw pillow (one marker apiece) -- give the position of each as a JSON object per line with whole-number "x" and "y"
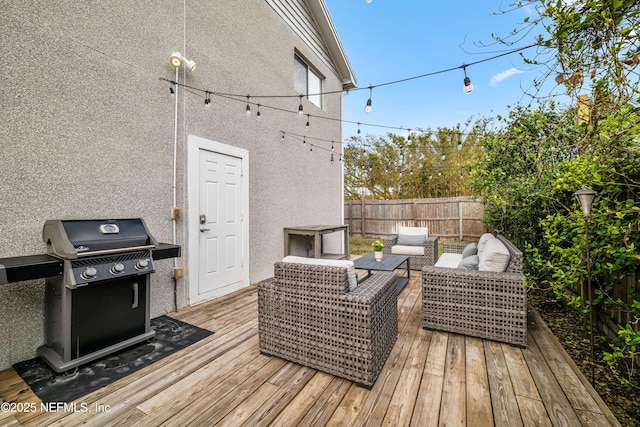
{"x": 483, "y": 241}
{"x": 351, "y": 270}
{"x": 413, "y": 231}
{"x": 494, "y": 257}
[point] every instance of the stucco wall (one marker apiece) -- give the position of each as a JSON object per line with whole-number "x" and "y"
{"x": 88, "y": 130}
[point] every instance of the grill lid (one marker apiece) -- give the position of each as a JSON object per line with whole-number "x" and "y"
{"x": 76, "y": 238}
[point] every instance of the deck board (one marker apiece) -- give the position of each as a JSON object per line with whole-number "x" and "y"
{"x": 430, "y": 378}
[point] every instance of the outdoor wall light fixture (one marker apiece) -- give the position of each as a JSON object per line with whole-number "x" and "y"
{"x": 468, "y": 87}
{"x": 176, "y": 59}
{"x": 585, "y": 198}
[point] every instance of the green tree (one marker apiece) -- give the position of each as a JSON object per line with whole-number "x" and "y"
{"x": 595, "y": 48}
{"x": 424, "y": 165}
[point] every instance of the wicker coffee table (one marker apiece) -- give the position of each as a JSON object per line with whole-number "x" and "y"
{"x": 388, "y": 263}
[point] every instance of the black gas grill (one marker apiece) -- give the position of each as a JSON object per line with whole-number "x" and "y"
{"x": 101, "y": 302}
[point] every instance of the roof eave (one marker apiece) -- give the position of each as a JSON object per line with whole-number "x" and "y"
{"x": 332, "y": 39}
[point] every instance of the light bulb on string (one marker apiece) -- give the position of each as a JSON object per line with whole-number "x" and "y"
{"x": 468, "y": 87}
{"x": 367, "y": 109}
{"x": 409, "y": 136}
{"x": 258, "y": 116}
{"x": 248, "y": 107}
{"x": 358, "y": 128}
{"x": 332, "y": 160}
{"x": 300, "y": 107}
{"x": 282, "y": 139}
{"x": 307, "y": 125}
{"x": 459, "y": 141}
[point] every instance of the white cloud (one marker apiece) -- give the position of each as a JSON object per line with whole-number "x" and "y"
{"x": 505, "y": 75}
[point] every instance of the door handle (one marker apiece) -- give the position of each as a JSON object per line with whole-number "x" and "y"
{"x": 202, "y": 230}
{"x": 134, "y": 304}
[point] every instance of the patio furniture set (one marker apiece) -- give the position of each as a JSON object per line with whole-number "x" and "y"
{"x": 315, "y": 311}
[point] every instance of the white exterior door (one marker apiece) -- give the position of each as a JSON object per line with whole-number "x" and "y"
{"x": 217, "y": 217}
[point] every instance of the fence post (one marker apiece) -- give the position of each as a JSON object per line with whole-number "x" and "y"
{"x": 350, "y": 217}
{"x": 460, "y": 219}
{"x": 362, "y": 219}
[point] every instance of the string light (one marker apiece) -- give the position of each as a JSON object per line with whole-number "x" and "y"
{"x": 207, "y": 100}
{"x": 307, "y": 125}
{"x": 301, "y": 108}
{"x": 468, "y": 87}
{"x": 367, "y": 108}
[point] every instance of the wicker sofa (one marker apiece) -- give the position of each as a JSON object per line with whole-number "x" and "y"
{"x": 428, "y": 251}
{"x": 485, "y": 304}
{"x": 308, "y": 314}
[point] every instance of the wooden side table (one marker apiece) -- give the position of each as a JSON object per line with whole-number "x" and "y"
{"x": 314, "y": 235}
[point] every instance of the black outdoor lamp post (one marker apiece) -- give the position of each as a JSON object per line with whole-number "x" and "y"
{"x": 585, "y": 198}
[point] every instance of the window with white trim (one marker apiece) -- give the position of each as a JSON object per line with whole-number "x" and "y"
{"x": 306, "y": 81}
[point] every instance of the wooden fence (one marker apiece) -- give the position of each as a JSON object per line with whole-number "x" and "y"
{"x": 455, "y": 218}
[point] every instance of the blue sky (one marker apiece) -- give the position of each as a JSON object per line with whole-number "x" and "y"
{"x": 388, "y": 40}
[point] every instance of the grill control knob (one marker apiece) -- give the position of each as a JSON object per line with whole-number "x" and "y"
{"x": 142, "y": 264}
{"x": 89, "y": 273}
{"x": 117, "y": 268}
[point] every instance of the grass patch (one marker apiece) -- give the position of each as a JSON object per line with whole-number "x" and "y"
{"x": 360, "y": 245}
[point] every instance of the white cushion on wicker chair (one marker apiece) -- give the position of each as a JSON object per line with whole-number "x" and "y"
{"x": 494, "y": 257}
{"x": 407, "y": 250}
{"x": 449, "y": 260}
{"x": 414, "y": 231}
{"x": 351, "y": 270}
{"x": 410, "y": 235}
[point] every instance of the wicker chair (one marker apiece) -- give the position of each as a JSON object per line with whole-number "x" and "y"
{"x": 484, "y": 304}
{"x": 428, "y": 257}
{"x": 306, "y": 314}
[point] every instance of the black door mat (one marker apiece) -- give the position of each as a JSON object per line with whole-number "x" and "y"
{"x": 171, "y": 335}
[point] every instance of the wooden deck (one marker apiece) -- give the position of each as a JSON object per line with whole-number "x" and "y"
{"x": 430, "y": 378}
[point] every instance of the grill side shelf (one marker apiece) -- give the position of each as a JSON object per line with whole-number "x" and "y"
{"x": 31, "y": 267}
{"x": 165, "y": 251}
